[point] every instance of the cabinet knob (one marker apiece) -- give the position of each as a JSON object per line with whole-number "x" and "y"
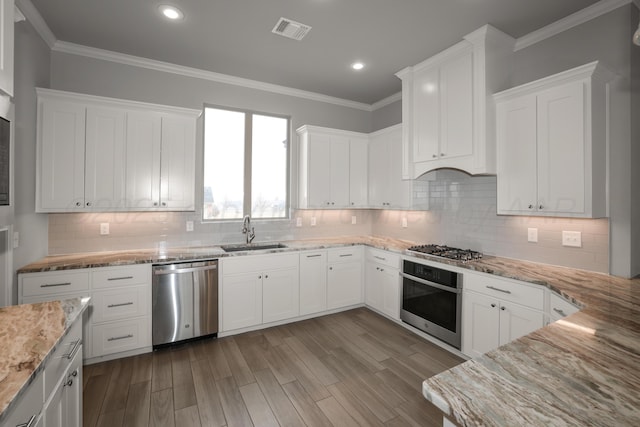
{"x": 330, "y": 268}
{"x": 332, "y": 203}
{"x": 435, "y": 156}
{"x": 78, "y": 203}
{"x": 259, "y": 277}
{"x": 493, "y": 305}
{"x": 530, "y": 206}
{"x": 88, "y": 203}
{"x": 328, "y": 203}
{"x": 503, "y": 308}
{"x": 164, "y": 204}
{"x": 442, "y": 154}
{"x": 75, "y": 373}
{"x": 155, "y": 203}
{"x": 70, "y": 383}
{"x": 352, "y": 203}
{"x": 266, "y": 276}
{"x": 540, "y": 207}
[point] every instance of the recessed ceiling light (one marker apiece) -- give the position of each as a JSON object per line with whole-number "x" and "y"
{"x": 357, "y": 66}
{"x": 170, "y": 12}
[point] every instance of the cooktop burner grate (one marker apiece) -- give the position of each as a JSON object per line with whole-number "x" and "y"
{"x": 444, "y": 251}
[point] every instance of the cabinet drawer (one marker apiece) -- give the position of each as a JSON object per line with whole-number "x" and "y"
{"x": 259, "y": 263}
{"x": 120, "y": 304}
{"x": 351, "y": 253}
{"x": 120, "y": 336}
{"x": 560, "y": 307}
{"x": 383, "y": 257}
{"x": 62, "y": 357}
{"x": 54, "y": 283}
{"x": 29, "y": 405}
{"x": 506, "y": 290}
{"x": 109, "y": 277}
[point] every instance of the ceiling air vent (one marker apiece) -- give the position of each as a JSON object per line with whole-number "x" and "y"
{"x": 291, "y": 29}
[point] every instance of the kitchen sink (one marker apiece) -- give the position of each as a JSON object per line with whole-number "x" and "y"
{"x": 251, "y": 247}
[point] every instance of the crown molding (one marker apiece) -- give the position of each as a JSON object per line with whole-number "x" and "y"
{"x": 386, "y": 101}
{"x": 33, "y": 16}
{"x": 564, "y": 24}
{"x": 136, "y": 61}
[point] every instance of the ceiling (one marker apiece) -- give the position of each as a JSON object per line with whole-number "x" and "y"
{"x": 234, "y": 36}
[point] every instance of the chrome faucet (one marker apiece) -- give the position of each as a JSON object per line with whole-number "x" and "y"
{"x": 247, "y": 229}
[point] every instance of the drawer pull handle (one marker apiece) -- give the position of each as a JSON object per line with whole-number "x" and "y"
{"x": 343, "y": 255}
{"x": 120, "y": 278}
{"x": 28, "y": 423}
{"x": 314, "y": 256}
{"x": 380, "y": 258}
{"x": 122, "y": 304}
{"x": 498, "y": 289}
{"x": 124, "y": 337}
{"x": 74, "y": 349}
{"x": 50, "y": 285}
{"x": 559, "y": 311}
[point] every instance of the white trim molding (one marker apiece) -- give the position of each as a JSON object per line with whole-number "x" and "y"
{"x": 386, "y": 101}
{"x": 573, "y": 20}
{"x": 33, "y": 16}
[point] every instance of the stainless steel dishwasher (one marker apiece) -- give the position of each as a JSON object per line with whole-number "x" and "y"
{"x": 184, "y": 301}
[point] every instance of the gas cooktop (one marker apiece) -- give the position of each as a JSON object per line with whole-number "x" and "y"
{"x": 447, "y": 252}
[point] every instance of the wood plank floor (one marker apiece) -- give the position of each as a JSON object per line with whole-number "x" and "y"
{"x": 354, "y": 368}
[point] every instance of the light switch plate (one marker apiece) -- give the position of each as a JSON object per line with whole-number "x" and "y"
{"x": 104, "y": 228}
{"x": 298, "y": 222}
{"x": 189, "y": 225}
{"x": 404, "y": 222}
{"x": 313, "y": 221}
{"x": 572, "y": 239}
{"x": 354, "y": 220}
{"x": 532, "y": 235}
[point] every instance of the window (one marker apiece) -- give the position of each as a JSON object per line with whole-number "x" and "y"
{"x": 245, "y": 164}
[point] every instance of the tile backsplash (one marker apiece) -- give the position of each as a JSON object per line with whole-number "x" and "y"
{"x": 462, "y": 213}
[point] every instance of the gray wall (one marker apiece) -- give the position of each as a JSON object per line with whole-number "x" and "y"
{"x": 386, "y": 116}
{"x": 32, "y": 58}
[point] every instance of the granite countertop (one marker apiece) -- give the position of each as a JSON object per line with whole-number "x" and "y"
{"x": 30, "y": 333}
{"x": 582, "y": 370}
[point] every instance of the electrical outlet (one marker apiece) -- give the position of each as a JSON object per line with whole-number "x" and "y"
{"x": 104, "y": 228}
{"x": 354, "y": 220}
{"x": 532, "y": 235}
{"x": 572, "y": 239}
{"x": 298, "y": 222}
{"x": 313, "y": 221}
{"x": 16, "y": 239}
{"x": 189, "y": 225}
{"x": 404, "y": 223}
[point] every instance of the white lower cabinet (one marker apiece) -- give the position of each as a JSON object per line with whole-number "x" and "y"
{"x": 497, "y": 311}
{"x": 559, "y": 307}
{"x": 64, "y": 406}
{"x": 344, "y": 277}
{"x": 118, "y": 318}
{"x": 258, "y": 289}
{"x": 313, "y": 282}
{"x": 382, "y": 282}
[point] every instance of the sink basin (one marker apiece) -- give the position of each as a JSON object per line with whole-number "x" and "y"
{"x": 252, "y": 247}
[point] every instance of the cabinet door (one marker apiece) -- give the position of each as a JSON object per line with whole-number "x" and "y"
{"x": 380, "y": 173}
{"x": 517, "y": 156}
{"x": 426, "y": 114}
{"x": 177, "y": 171}
{"x": 54, "y": 409}
{"x": 344, "y": 284}
{"x": 104, "y": 158}
{"x": 358, "y": 176}
{"x": 142, "y": 186}
{"x": 280, "y": 295}
{"x": 480, "y": 324}
{"x": 561, "y": 149}
{"x": 391, "y": 292}
{"x": 241, "y": 300}
{"x": 400, "y": 191}
{"x": 72, "y": 399}
{"x": 373, "y": 286}
{"x": 313, "y": 282}
{"x": 517, "y": 321}
{"x": 456, "y": 107}
{"x": 318, "y": 171}
{"x": 6, "y": 46}
{"x": 339, "y": 172}
{"x": 62, "y": 143}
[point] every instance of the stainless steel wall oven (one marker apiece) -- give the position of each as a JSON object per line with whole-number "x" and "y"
{"x": 432, "y": 301}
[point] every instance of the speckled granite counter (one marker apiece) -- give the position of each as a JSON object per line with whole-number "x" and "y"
{"x": 582, "y": 370}
{"x": 29, "y": 334}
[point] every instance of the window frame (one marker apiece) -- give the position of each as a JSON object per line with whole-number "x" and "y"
{"x": 248, "y": 158}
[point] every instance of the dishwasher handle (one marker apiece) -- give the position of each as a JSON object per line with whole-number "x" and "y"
{"x": 160, "y": 271}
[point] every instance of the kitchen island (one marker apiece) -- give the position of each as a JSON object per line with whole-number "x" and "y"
{"x": 581, "y": 370}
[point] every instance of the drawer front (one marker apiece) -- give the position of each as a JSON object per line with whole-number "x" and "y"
{"x": 120, "y": 336}
{"x": 120, "y": 304}
{"x": 259, "y": 263}
{"x": 55, "y": 297}
{"x": 383, "y": 257}
{"x": 506, "y": 290}
{"x": 30, "y": 404}
{"x": 560, "y": 307}
{"x": 351, "y": 253}
{"x": 62, "y": 357}
{"x": 109, "y": 277}
{"x": 54, "y": 283}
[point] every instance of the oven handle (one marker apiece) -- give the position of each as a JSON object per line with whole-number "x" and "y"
{"x": 435, "y": 285}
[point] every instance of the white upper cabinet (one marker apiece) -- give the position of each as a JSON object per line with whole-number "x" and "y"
{"x": 6, "y": 46}
{"x": 332, "y": 168}
{"x": 102, "y": 154}
{"x": 447, "y": 111}
{"x": 551, "y": 137}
